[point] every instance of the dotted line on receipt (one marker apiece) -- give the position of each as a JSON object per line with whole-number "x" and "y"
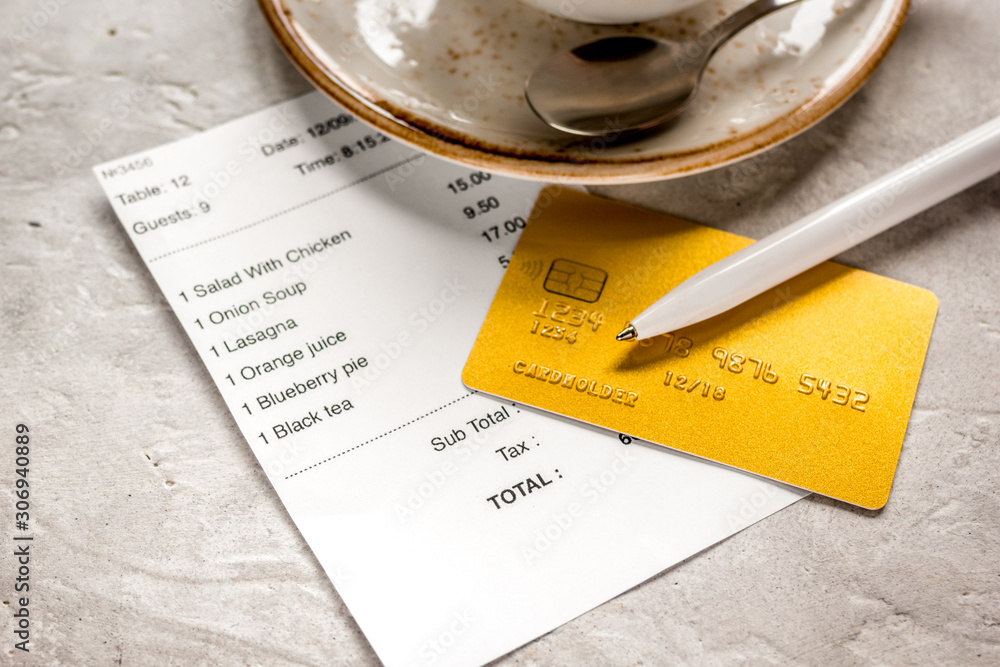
{"x": 291, "y": 208}
{"x": 383, "y": 435}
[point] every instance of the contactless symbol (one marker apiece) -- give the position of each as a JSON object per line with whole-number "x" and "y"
{"x": 577, "y": 281}
{"x": 532, "y": 269}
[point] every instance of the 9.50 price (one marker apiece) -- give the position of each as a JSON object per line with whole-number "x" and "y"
{"x": 482, "y": 206}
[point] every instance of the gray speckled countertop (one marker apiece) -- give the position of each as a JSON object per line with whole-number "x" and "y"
{"x": 160, "y": 540}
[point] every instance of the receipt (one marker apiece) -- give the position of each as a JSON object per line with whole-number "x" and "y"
{"x": 333, "y": 282}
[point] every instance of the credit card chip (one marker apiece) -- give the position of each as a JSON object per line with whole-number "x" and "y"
{"x": 575, "y": 280}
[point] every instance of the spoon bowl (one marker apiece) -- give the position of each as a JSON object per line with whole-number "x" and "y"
{"x": 628, "y": 83}
{"x": 604, "y": 96}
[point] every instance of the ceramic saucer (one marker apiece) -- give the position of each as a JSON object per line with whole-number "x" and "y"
{"x": 447, "y": 76}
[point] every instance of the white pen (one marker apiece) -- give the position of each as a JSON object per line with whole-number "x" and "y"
{"x": 843, "y": 224}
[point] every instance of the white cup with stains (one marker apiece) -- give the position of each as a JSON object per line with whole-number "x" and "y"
{"x": 611, "y": 11}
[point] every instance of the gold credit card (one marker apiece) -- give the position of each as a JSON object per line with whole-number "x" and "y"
{"x": 810, "y": 383}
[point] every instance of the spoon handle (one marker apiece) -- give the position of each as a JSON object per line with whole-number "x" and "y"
{"x": 726, "y": 29}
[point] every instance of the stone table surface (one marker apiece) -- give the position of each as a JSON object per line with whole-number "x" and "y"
{"x": 160, "y": 540}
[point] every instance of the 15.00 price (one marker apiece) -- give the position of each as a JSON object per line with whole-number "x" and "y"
{"x": 463, "y": 184}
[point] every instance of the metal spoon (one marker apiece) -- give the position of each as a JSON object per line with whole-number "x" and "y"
{"x": 629, "y": 83}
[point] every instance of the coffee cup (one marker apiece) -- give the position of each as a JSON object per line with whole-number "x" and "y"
{"x": 611, "y": 11}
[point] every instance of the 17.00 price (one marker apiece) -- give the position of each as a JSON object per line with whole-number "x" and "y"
{"x": 509, "y": 227}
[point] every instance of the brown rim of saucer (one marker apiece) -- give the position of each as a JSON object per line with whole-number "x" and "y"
{"x": 451, "y": 144}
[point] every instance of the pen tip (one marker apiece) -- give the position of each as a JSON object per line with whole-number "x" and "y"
{"x": 628, "y": 333}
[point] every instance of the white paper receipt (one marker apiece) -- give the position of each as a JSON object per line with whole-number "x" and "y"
{"x": 333, "y": 281}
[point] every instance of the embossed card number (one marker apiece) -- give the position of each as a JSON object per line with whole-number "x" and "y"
{"x": 752, "y": 388}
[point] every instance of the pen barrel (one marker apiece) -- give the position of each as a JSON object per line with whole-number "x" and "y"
{"x": 898, "y": 196}
{"x": 826, "y": 233}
